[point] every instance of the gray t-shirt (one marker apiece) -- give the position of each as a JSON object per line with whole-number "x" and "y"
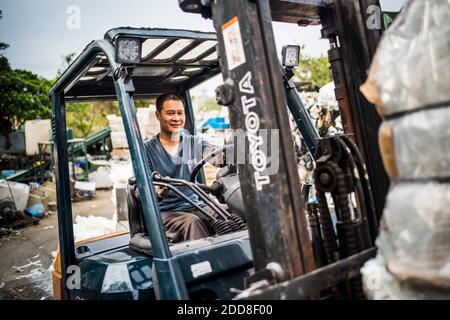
{"x": 180, "y": 166}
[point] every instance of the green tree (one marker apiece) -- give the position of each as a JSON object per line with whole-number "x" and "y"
{"x": 67, "y": 60}
{"x": 23, "y": 95}
{"x": 88, "y": 117}
{"x": 316, "y": 70}
{"x": 208, "y": 104}
{"x": 142, "y": 103}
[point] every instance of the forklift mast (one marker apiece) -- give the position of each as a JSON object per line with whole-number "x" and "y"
{"x": 253, "y": 90}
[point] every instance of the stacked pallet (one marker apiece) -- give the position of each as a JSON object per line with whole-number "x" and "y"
{"x": 148, "y": 126}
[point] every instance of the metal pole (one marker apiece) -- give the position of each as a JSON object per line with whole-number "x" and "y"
{"x": 170, "y": 283}
{"x": 65, "y": 226}
{"x": 276, "y": 219}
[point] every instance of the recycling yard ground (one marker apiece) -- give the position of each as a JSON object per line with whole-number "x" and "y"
{"x": 27, "y": 254}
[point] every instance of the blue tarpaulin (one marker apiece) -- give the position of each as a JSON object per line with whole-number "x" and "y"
{"x": 215, "y": 123}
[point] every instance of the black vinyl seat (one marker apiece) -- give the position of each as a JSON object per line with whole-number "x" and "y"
{"x": 138, "y": 230}
{"x": 135, "y": 213}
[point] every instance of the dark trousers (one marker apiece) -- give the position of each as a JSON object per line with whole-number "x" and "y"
{"x": 188, "y": 225}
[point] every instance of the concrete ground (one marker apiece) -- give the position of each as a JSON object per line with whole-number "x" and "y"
{"x": 27, "y": 254}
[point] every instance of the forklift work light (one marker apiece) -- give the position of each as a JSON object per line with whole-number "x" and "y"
{"x": 128, "y": 50}
{"x": 291, "y": 55}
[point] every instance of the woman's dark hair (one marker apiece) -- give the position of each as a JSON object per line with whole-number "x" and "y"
{"x": 166, "y": 97}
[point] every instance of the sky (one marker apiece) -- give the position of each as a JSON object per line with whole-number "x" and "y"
{"x": 41, "y": 32}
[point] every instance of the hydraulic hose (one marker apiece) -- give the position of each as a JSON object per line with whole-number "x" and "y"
{"x": 185, "y": 197}
{"x": 197, "y": 190}
{"x": 370, "y": 202}
{"x": 362, "y": 213}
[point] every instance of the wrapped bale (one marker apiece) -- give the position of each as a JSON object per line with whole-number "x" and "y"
{"x": 410, "y": 86}
{"x": 413, "y": 58}
{"x": 416, "y": 240}
{"x": 417, "y": 145}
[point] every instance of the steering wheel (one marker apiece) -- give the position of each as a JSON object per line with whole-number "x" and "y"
{"x": 202, "y": 162}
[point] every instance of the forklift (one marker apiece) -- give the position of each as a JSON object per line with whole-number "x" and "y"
{"x": 284, "y": 248}
{"x": 130, "y": 64}
{"x": 197, "y": 269}
{"x": 299, "y": 250}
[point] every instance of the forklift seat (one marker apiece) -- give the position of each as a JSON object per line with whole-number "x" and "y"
{"x": 141, "y": 243}
{"x": 138, "y": 230}
{"x": 135, "y": 213}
